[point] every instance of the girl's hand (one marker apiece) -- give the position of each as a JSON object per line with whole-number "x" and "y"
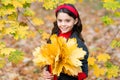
{"x": 47, "y": 75}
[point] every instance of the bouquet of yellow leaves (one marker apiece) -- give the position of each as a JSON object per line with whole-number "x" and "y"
{"x": 63, "y": 56}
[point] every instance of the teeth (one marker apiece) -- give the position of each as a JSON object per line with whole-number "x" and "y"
{"x": 63, "y": 28}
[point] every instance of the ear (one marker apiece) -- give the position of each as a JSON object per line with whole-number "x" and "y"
{"x": 76, "y": 20}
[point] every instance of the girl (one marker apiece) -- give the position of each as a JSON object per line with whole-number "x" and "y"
{"x": 68, "y": 25}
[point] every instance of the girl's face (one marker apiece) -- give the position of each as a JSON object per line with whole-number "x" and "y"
{"x": 65, "y": 22}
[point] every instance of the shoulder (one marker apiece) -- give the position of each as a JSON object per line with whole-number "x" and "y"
{"x": 80, "y": 43}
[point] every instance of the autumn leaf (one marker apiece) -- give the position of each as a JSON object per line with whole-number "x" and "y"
{"x": 6, "y": 51}
{"x": 5, "y": 2}
{"x": 112, "y": 70}
{"x": 31, "y": 34}
{"x": 61, "y": 54}
{"x": 91, "y": 60}
{"x": 1, "y": 25}
{"x": 103, "y": 57}
{"x": 115, "y": 5}
{"x": 45, "y": 35}
{"x": 21, "y": 32}
{"x": 40, "y": 0}
{"x": 70, "y": 55}
{"x": 98, "y": 71}
{"x": 45, "y": 54}
{"x": 107, "y": 20}
{"x": 69, "y": 1}
{"x": 16, "y": 56}
{"x": 28, "y": 12}
{"x": 9, "y": 30}
{"x": 80, "y": 1}
{"x": 107, "y": 0}
{"x": 37, "y": 21}
{"x": 2, "y": 45}
{"x": 117, "y": 14}
{"x": 39, "y": 60}
{"x": 2, "y": 63}
{"x": 49, "y": 4}
{"x": 17, "y": 4}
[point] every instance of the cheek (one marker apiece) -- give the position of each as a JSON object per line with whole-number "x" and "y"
{"x": 58, "y": 24}
{"x": 71, "y": 24}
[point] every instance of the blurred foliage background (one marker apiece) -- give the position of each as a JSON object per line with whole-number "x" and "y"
{"x": 27, "y": 24}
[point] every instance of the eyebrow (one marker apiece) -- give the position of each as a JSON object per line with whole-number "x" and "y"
{"x": 61, "y": 19}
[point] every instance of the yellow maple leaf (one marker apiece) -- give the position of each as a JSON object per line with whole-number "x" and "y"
{"x": 91, "y": 61}
{"x": 40, "y": 0}
{"x": 74, "y": 70}
{"x": 31, "y": 34}
{"x": 70, "y": 1}
{"x": 47, "y": 50}
{"x": 69, "y": 54}
{"x": 80, "y": 1}
{"x": 108, "y": 0}
{"x": 103, "y": 57}
{"x": 39, "y": 60}
{"x": 5, "y": 2}
{"x": 62, "y": 55}
{"x": 113, "y": 71}
{"x": 45, "y": 35}
{"x": 8, "y": 30}
{"x": 6, "y": 51}
{"x": 1, "y": 27}
{"x": 37, "y": 21}
{"x": 21, "y": 32}
{"x": 17, "y": 4}
{"x": 2, "y": 45}
{"x": 2, "y": 63}
{"x": 49, "y": 4}
{"x": 98, "y": 71}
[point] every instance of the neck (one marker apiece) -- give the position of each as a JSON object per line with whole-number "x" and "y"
{"x": 65, "y": 35}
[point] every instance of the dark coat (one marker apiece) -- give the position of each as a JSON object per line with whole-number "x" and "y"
{"x": 84, "y": 61}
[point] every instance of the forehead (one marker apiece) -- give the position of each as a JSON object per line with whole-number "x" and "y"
{"x": 62, "y": 15}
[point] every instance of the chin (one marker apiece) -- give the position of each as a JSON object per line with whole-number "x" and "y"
{"x": 64, "y": 31}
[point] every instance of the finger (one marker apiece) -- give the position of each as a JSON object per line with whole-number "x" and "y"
{"x": 47, "y": 76}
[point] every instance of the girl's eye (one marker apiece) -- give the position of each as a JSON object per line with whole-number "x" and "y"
{"x": 67, "y": 20}
{"x": 59, "y": 20}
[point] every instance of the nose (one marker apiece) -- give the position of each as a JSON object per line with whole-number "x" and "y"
{"x": 63, "y": 23}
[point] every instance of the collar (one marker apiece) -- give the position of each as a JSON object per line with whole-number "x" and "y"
{"x": 65, "y": 35}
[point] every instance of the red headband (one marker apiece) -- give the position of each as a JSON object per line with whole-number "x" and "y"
{"x": 70, "y": 8}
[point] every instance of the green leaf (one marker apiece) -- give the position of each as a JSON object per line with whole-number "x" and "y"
{"x": 26, "y": 5}
{"x": 40, "y": 31}
{"x": 28, "y": 12}
{"x": 117, "y": 14}
{"x": 107, "y": 20}
{"x": 112, "y": 70}
{"x": 5, "y": 2}
{"x": 108, "y": 64}
{"x": 111, "y": 5}
{"x": 2, "y": 45}
{"x": 113, "y": 43}
{"x": 16, "y": 56}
